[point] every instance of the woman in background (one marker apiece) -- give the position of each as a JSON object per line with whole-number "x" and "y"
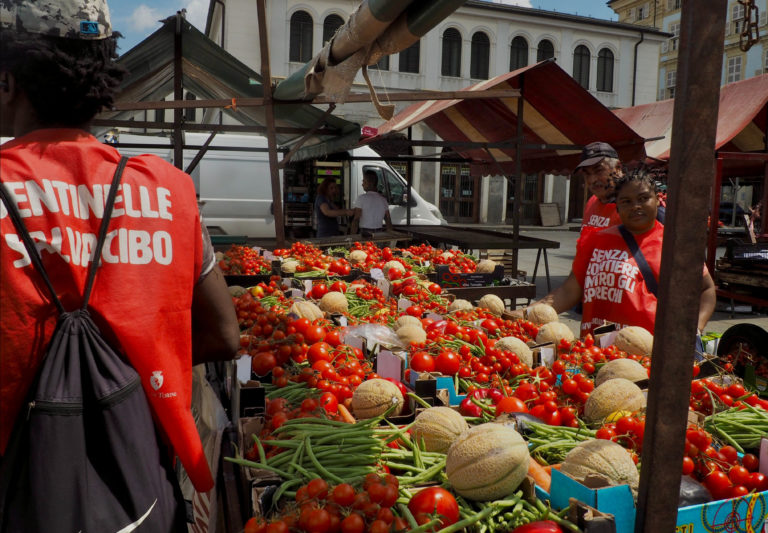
{"x": 326, "y": 210}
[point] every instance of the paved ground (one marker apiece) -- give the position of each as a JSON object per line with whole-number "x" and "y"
{"x": 560, "y": 265}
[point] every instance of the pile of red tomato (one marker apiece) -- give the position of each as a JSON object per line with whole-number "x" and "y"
{"x": 708, "y": 396}
{"x": 321, "y": 508}
{"x": 245, "y": 261}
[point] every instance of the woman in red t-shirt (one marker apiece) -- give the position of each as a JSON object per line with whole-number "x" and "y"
{"x": 606, "y": 278}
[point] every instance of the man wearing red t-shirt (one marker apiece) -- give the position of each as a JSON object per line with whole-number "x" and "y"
{"x": 158, "y": 296}
{"x": 606, "y": 276}
{"x": 600, "y": 167}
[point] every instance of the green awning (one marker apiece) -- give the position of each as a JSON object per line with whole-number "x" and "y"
{"x": 211, "y": 73}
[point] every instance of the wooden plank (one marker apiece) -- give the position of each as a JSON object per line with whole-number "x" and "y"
{"x": 550, "y": 215}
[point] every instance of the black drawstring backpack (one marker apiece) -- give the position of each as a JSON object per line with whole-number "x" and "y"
{"x": 84, "y": 455}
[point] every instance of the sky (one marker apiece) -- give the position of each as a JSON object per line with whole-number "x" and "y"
{"x": 136, "y": 20}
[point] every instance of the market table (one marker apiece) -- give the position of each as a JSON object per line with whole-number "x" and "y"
{"x": 520, "y": 290}
{"x": 483, "y": 239}
{"x": 347, "y": 240}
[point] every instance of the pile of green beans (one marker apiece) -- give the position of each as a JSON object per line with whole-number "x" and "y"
{"x": 741, "y": 428}
{"x": 552, "y": 443}
{"x": 294, "y": 393}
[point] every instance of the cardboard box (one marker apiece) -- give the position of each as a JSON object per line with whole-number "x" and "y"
{"x": 745, "y": 514}
{"x": 442, "y": 383}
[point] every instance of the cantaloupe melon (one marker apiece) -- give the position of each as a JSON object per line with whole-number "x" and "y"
{"x": 634, "y": 340}
{"x": 406, "y": 320}
{"x": 333, "y": 302}
{"x": 438, "y": 427}
{"x": 516, "y": 346}
{"x": 541, "y": 314}
{"x": 487, "y": 462}
{"x": 410, "y": 333}
{"x": 460, "y": 304}
{"x": 374, "y": 396}
{"x": 304, "y": 309}
{"x": 357, "y": 256}
{"x": 602, "y": 458}
{"x": 553, "y": 332}
{"x": 621, "y": 368}
{"x": 486, "y": 266}
{"x": 617, "y": 394}
{"x": 237, "y": 290}
{"x": 493, "y": 303}
{"x": 289, "y": 266}
{"x": 397, "y": 265}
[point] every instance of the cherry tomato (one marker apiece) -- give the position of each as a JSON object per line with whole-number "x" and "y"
{"x": 329, "y": 402}
{"x": 541, "y": 526}
{"x": 422, "y": 362}
{"x": 511, "y": 404}
{"x": 448, "y": 362}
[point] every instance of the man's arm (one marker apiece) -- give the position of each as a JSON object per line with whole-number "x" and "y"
{"x": 707, "y": 301}
{"x": 355, "y": 220}
{"x": 388, "y": 220}
{"x": 562, "y": 298}
{"x": 215, "y": 332}
{"x": 329, "y": 212}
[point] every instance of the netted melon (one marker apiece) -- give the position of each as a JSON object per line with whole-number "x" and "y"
{"x": 460, "y": 304}
{"x": 553, "y": 332}
{"x": 621, "y": 368}
{"x": 516, "y": 346}
{"x": 486, "y": 266}
{"x": 389, "y": 265}
{"x": 634, "y": 340}
{"x": 407, "y": 320}
{"x": 438, "y": 427}
{"x": 493, "y": 303}
{"x": 357, "y": 256}
{"x": 308, "y": 310}
{"x": 617, "y": 394}
{"x": 541, "y": 314}
{"x": 602, "y": 458}
{"x": 374, "y": 396}
{"x": 289, "y": 266}
{"x": 410, "y": 333}
{"x": 333, "y": 302}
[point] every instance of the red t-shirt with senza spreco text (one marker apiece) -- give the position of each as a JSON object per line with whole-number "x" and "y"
{"x": 142, "y": 294}
{"x": 597, "y": 217}
{"x": 613, "y": 289}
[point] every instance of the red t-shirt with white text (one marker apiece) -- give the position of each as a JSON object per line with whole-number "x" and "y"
{"x": 142, "y": 295}
{"x": 613, "y": 289}
{"x": 597, "y": 217}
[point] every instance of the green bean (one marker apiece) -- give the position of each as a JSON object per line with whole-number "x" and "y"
{"x": 407, "y": 515}
{"x": 258, "y": 466}
{"x": 283, "y": 487}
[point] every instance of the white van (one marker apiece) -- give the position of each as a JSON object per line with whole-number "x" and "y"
{"x": 235, "y": 192}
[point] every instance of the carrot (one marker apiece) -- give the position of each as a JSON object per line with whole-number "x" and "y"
{"x": 549, "y": 468}
{"x": 346, "y": 416}
{"x": 539, "y": 474}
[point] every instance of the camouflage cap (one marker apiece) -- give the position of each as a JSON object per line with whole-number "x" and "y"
{"x": 74, "y": 19}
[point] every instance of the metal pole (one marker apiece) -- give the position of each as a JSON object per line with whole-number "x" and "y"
{"x": 692, "y": 171}
{"x": 518, "y": 180}
{"x": 269, "y": 111}
{"x": 178, "y": 95}
{"x": 409, "y": 180}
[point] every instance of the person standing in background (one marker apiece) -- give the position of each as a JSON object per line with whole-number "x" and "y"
{"x": 326, "y": 210}
{"x": 600, "y": 166}
{"x": 371, "y": 208}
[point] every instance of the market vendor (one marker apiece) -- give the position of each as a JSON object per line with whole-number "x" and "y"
{"x": 371, "y": 208}
{"x": 607, "y": 277}
{"x": 600, "y": 166}
{"x": 326, "y": 209}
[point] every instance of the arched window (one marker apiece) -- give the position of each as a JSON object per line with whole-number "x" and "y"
{"x": 479, "y": 56}
{"x": 518, "y": 53}
{"x": 605, "y": 70}
{"x": 301, "y": 37}
{"x": 409, "y": 58}
{"x": 581, "y": 59}
{"x": 546, "y": 50}
{"x": 451, "y": 53}
{"x": 330, "y": 25}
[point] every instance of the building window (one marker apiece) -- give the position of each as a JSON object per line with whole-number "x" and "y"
{"x": 383, "y": 64}
{"x": 409, "y": 58}
{"x": 330, "y": 25}
{"x": 674, "y": 41}
{"x": 581, "y": 60}
{"x": 451, "y": 53}
{"x": 518, "y": 53}
{"x": 642, "y": 12}
{"x": 605, "y": 71}
{"x": 301, "y": 37}
{"x": 734, "y": 69}
{"x": 480, "y": 56}
{"x": 190, "y": 113}
{"x": 737, "y": 17}
{"x": 546, "y": 50}
{"x": 673, "y": 4}
{"x": 671, "y": 83}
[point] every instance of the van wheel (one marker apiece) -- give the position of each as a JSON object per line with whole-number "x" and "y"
{"x": 742, "y": 345}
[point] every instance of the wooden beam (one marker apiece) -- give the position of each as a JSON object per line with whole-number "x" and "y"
{"x": 269, "y": 111}
{"x": 415, "y": 96}
{"x": 187, "y": 126}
